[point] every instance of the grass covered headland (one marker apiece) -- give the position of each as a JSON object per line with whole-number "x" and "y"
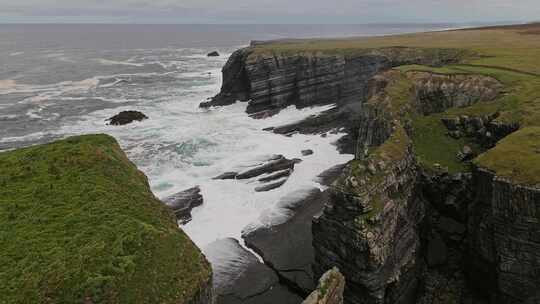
{"x": 509, "y": 54}
{"x": 80, "y": 225}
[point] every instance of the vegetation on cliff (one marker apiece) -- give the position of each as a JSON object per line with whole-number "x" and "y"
{"x": 80, "y": 225}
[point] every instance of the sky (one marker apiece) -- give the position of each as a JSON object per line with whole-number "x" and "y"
{"x": 268, "y": 11}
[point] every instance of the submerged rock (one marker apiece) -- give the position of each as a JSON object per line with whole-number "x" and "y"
{"x": 126, "y": 117}
{"x": 183, "y": 202}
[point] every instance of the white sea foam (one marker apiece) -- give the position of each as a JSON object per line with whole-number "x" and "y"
{"x": 181, "y": 146}
{"x": 115, "y": 62}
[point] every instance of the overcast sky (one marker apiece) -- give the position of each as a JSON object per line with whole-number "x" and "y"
{"x": 268, "y": 11}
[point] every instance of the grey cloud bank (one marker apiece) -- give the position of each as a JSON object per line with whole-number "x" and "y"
{"x": 267, "y": 11}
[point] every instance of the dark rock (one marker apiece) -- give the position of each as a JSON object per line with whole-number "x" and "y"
{"x": 271, "y": 81}
{"x": 213, "y": 54}
{"x": 264, "y": 114}
{"x": 183, "y": 202}
{"x": 436, "y": 251}
{"x": 373, "y": 235}
{"x": 503, "y": 237}
{"x": 329, "y": 176}
{"x": 287, "y": 245}
{"x": 126, "y": 117}
{"x": 271, "y": 186}
{"x": 239, "y": 277}
{"x": 451, "y": 227}
{"x": 279, "y": 164}
{"x": 307, "y": 152}
{"x": 451, "y": 123}
{"x": 277, "y": 175}
{"x": 227, "y": 175}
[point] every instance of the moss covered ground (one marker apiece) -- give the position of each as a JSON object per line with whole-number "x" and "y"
{"x": 80, "y": 225}
{"x": 511, "y": 54}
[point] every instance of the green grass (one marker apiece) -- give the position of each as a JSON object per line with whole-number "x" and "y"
{"x": 433, "y": 146}
{"x": 524, "y": 164}
{"x": 79, "y": 222}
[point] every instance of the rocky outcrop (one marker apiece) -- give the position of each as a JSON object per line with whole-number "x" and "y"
{"x": 329, "y": 290}
{"x": 274, "y": 81}
{"x": 369, "y": 228}
{"x": 126, "y": 117}
{"x": 273, "y": 173}
{"x": 504, "y": 239}
{"x": 213, "y": 54}
{"x": 183, "y": 202}
{"x": 435, "y": 93}
{"x": 485, "y": 130}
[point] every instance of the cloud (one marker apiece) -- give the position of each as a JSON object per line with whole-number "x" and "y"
{"x": 280, "y": 11}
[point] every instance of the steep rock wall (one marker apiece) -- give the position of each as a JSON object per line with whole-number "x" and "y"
{"x": 271, "y": 81}
{"x": 504, "y": 239}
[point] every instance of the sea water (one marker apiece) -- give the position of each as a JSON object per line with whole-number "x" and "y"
{"x": 62, "y": 80}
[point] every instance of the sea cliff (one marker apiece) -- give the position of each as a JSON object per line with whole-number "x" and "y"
{"x": 443, "y": 191}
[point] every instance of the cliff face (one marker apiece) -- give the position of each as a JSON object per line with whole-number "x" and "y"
{"x": 271, "y": 81}
{"x": 504, "y": 244}
{"x": 400, "y": 232}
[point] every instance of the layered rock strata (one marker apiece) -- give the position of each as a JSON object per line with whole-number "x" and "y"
{"x": 274, "y": 81}
{"x": 504, "y": 245}
{"x": 183, "y": 202}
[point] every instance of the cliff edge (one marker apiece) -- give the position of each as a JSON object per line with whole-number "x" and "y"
{"x": 82, "y": 226}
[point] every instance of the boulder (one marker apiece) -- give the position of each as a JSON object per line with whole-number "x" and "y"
{"x": 465, "y": 154}
{"x": 183, "y": 202}
{"x": 330, "y": 289}
{"x": 213, "y": 54}
{"x": 307, "y": 152}
{"x": 126, "y": 117}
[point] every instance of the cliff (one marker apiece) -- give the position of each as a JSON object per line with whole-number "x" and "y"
{"x": 441, "y": 202}
{"x": 270, "y": 81}
{"x": 82, "y": 226}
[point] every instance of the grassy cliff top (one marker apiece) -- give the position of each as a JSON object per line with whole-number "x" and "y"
{"x": 524, "y": 164}
{"x": 80, "y": 225}
{"x": 513, "y": 47}
{"x": 510, "y": 54}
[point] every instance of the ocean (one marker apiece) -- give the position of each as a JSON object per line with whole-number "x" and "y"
{"x": 62, "y": 80}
